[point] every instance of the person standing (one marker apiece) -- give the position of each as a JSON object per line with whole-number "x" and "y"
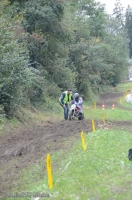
{"x": 64, "y": 100}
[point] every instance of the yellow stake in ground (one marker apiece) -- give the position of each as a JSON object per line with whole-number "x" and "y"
{"x": 49, "y": 171}
{"x": 83, "y": 140}
{"x": 94, "y": 105}
{"x": 103, "y": 119}
{"x": 93, "y": 125}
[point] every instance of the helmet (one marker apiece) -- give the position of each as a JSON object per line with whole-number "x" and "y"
{"x": 76, "y": 97}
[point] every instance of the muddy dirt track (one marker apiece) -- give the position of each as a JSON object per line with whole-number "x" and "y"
{"x": 19, "y": 149}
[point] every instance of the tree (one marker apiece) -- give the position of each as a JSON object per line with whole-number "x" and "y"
{"x": 86, "y": 20}
{"x": 118, "y": 12}
{"x": 128, "y": 27}
{"x": 13, "y": 60}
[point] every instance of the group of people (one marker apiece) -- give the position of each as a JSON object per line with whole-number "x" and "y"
{"x": 68, "y": 98}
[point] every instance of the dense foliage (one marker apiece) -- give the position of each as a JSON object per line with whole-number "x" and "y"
{"x": 48, "y": 46}
{"x": 128, "y": 26}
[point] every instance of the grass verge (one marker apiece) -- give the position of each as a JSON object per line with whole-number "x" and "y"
{"x": 103, "y": 171}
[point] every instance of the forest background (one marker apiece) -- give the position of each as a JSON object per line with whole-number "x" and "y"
{"x": 48, "y": 46}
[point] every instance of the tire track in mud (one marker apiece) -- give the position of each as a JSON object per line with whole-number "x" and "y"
{"x": 28, "y": 146}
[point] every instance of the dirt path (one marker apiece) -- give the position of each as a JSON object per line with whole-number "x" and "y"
{"x": 19, "y": 149}
{"x": 28, "y": 146}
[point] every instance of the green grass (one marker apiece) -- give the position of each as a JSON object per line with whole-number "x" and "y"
{"x": 124, "y": 87}
{"x": 100, "y": 171}
{"x": 111, "y": 114}
{"x": 126, "y": 104}
{"x": 103, "y": 171}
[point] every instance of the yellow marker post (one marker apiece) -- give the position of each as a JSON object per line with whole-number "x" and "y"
{"x": 94, "y": 105}
{"x": 83, "y": 140}
{"x": 49, "y": 171}
{"x": 120, "y": 100}
{"x": 124, "y": 95}
{"x": 93, "y": 125}
{"x": 103, "y": 119}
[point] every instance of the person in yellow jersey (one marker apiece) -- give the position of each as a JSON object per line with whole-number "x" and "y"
{"x": 65, "y": 99}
